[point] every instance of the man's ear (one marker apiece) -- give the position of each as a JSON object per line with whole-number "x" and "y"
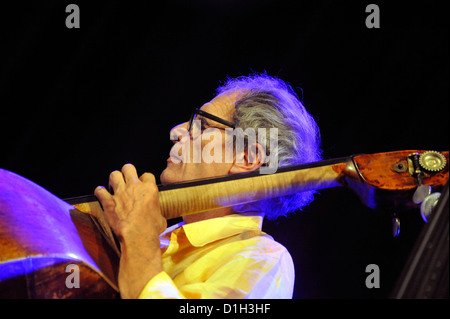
{"x": 249, "y": 159}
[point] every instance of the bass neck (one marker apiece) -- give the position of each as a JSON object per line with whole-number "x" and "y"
{"x": 381, "y": 180}
{"x": 195, "y": 196}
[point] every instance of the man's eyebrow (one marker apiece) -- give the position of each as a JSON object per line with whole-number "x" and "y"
{"x": 204, "y": 120}
{"x": 201, "y": 118}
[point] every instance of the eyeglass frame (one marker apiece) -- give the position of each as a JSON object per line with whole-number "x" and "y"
{"x": 214, "y": 118}
{"x": 210, "y": 116}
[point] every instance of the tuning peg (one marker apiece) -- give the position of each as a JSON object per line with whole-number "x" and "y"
{"x": 421, "y": 193}
{"x": 428, "y": 204}
{"x": 395, "y": 225}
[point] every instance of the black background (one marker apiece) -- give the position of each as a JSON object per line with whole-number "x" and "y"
{"x": 77, "y": 104}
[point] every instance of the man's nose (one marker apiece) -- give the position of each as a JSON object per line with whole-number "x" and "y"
{"x": 178, "y": 132}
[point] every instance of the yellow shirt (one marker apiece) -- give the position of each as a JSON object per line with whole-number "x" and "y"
{"x": 225, "y": 257}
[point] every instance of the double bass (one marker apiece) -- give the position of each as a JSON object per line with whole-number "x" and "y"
{"x": 45, "y": 241}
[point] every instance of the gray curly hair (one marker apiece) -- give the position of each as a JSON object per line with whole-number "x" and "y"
{"x": 269, "y": 102}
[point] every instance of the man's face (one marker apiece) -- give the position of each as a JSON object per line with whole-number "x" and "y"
{"x": 187, "y": 169}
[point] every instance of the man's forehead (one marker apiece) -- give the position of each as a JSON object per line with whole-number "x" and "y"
{"x": 221, "y": 105}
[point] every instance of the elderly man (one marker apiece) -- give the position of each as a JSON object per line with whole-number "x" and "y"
{"x": 220, "y": 253}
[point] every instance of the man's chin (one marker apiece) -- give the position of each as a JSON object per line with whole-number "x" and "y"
{"x": 168, "y": 177}
{"x": 163, "y": 177}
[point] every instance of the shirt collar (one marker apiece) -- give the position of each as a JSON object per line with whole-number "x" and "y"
{"x": 206, "y": 231}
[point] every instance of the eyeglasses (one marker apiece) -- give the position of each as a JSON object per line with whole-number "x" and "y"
{"x": 209, "y": 116}
{"x": 216, "y": 119}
